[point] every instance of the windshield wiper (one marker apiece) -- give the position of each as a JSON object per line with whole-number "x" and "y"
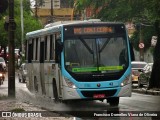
{"x": 85, "y": 44}
{"x": 104, "y": 45}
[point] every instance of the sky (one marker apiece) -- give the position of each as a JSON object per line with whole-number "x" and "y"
{"x": 32, "y": 3}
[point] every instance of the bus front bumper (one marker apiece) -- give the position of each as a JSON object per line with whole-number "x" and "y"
{"x": 71, "y": 94}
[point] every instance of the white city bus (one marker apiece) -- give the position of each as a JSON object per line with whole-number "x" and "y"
{"x": 80, "y": 60}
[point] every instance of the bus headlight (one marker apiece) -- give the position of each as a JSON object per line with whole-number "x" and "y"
{"x": 69, "y": 83}
{"x": 1, "y": 74}
{"x": 125, "y": 81}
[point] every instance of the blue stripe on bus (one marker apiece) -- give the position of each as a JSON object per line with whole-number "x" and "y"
{"x": 92, "y": 85}
{"x": 118, "y": 88}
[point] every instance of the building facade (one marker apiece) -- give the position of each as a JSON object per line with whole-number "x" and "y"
{"x": 53, "y": 10}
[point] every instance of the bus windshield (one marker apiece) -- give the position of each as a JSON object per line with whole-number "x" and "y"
{"x": 95, "y": 54}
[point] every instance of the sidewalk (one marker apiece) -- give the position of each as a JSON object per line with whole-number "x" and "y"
{"x": 144, "y": 90}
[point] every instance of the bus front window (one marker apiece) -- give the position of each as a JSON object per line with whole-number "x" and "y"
{"x": 105, "y": 55}
{"x": 77, "y": 54}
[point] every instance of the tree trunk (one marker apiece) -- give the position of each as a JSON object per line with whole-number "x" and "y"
{"x": 5, "y": 53}
{"x": 155, "y": 75}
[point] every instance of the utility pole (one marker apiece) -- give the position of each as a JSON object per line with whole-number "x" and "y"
{"x": 36, "y": 9}
{"x": 51, "y": 11}
{"x": 22, "y": 26}
{"x": 141, "y": 44}
{"x": 11, "y": 64}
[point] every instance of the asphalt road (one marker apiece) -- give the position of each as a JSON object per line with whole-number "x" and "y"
{"x": 138, "y": 103}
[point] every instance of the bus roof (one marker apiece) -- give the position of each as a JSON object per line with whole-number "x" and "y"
{"x": 53, "y": 27}
{"x": 71, "y": 22}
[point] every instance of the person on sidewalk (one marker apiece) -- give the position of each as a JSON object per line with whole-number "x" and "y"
{"x": 2, "y": 71}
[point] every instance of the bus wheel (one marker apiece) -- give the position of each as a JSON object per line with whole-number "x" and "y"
{"x": 55, "y": 93}
{"x": 113, "y": 101}
{"x": 67, "y": 102}
{"x": 35, "y": 84}
{"x": 19, "y": 78}
{"x": 1, "y": 82}
{"x": 23, "y": 79}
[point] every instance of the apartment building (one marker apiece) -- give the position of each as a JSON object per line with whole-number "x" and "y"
{"x": 53, "y": 10}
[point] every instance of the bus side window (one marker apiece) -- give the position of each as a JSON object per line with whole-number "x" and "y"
{"x": 58, "y": 47}
{"x": 51, "y": 46}
{"x": 30, "y": 51}
{"x": 58, "y": 50}
{"x": 47, "y": 47}
{"x": 36, "y": 51}
{"x": 42, "y": 52}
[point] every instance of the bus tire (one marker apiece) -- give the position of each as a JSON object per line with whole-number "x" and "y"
{"x": 67, "y": 102}
{"x": 23, "y": 79}
{"x": 113, "y": 101}
{"x": 55, "y": 93}
{"x": 35, "y": 84}
{"x": 1, "y": 82}
{"x": 19, "y": 80}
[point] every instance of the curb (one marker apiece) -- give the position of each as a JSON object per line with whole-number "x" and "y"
{"x": 145, "y": 91}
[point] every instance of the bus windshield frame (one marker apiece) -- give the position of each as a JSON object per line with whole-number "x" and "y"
{"x": 102, "y": 53}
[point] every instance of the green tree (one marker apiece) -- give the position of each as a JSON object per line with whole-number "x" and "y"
{"x": 30, "y": 23}
{"x": 154, "y": 15}
{"x": 147, "y": 33}
{"x": 3, "y": 35}
{"x": 141, "y": 12}
{"x": 137, "y": 11}
{"x": 81, "y": 5}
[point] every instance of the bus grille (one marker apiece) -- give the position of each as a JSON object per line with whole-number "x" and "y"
{"x": 107, "y": 93}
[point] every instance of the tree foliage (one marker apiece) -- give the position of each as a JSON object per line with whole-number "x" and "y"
{"x": 136, "y": 11}
{"x": 81, "y": 5}
{"x": 30, "y": 23}
{"x": 147, "y": 33}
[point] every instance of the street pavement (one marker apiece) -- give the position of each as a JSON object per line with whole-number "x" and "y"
{"x": 7, "y": 104}
{"x": 144, "y": 90}
{"x": 15, "y": 105}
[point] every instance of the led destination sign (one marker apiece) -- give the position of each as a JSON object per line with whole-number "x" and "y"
{"x": 93, "y": 30}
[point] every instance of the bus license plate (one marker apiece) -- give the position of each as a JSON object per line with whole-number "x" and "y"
{"x": 99, "y": 96}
